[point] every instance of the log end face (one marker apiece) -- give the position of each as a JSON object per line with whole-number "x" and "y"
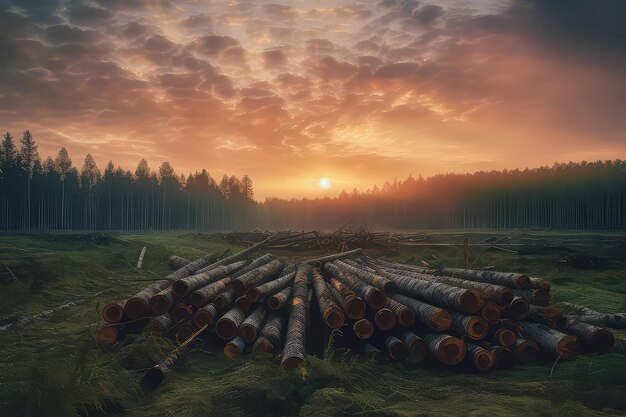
{"x": 471, "y": 301}
{"x": 160, "y": 304}
{"x": 182, "y": 312}
{"x": 385, "y": 319}
{"x": 291, "y": 362}
{"x": 181, "y": 288}
{"x": 107, "y": 335}
{"x": 137, "y": 308}
{"x": 247, "y": 333}
{"x": 263, "y": 345}
{"x": 505, "y": 337}
{"x": 483, "y": 360}
{"x": 274, "y": 303}
{"x": 418, "y": 349}
{"x": 490, "y": 313}
{"x": 203, "y": 318}
{"x": 451, "y": 351}
{"x": 112, "y": 312}
{"x": 334, "y": 318}
{"x": 184, "y": 333}
{"x": 518, "y": 308}
{"x": 363, "y": 329}
{"x": 231, "y": 351}
{"x": 504, "y": 358}
{"x": 376, "y": 299}
{"x": 526, "y": 351}
{"x": 477, "y": 328}
{"x": 226, "y": 328}
{"x": 243, "y": 303}
{"x": 397, "y": 349}
{"x": 355, "y": 308}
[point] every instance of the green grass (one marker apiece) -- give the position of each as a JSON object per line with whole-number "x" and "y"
{"x": 53, "y": 367}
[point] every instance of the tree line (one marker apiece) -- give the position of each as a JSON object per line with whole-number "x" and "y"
{"x": 54, "y": 194}
{"x": 584, "y": 195}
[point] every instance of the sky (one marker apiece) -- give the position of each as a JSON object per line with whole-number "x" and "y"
{"x": 289, "y": 92}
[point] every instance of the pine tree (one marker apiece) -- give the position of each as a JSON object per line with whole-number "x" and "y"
{"x": 63, "y": 165}
{"x": 29, "y": 158}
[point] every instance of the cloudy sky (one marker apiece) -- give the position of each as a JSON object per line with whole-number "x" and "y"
{"x": 360, "y": 92}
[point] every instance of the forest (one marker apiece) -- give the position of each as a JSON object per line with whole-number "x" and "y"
{"x": 53, "y": 194}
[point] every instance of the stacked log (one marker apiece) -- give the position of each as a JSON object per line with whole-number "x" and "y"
{"x": 383, "y": 310}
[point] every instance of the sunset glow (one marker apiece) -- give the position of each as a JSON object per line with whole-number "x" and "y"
{"x": 368, "y": 91}
{"x": 324, "y": 183}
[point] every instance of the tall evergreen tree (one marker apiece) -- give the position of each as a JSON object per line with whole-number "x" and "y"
{"x": 29, "y": 158}
{"x": 63, "y": 165}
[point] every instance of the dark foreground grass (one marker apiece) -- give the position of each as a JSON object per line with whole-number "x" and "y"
{"x": 53, "y": 367}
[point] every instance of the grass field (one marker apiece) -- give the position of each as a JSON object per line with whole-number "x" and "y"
{"x": 53, "y": 366}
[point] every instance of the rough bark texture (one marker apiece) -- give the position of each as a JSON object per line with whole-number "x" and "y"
{"x": 506, "y": 279}
{"x": 553, "y": 341}
{"x": 185, "y": 286}
{"x": 405, "y": 316}
{"x": 332, "y": 314}
{"x": 270, "y": 288}
{"x": 374, "y": 297}
{"x": 274, "y": 331}
{"x": 257, "y": 276}
{"x": 294, "y": 351}
{"x": 177, "y": 262}
{"x": 137, "y": 306}
{"x": 352, "y": 305}
{"x": 539, "y": 283}
{"x": 252, "y": 324}
{"x": 496, "y": 293}
{"x": 369, "y": 276}
{"x": 210, "y": 292}
{"x": 597, "y": 338}
{"x": 436, "y": 318}
{"x": 460, "y": 299}
{"x": 228, "y": 325}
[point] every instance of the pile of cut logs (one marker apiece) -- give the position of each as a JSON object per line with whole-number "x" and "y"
{"x": 382, "y": 310}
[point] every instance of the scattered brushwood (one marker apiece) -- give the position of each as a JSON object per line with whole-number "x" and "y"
{"x": 386, "y": 311}
{"x": 341, "y": 239}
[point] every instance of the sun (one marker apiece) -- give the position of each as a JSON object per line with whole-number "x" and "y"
{"x": 324, "y": 183}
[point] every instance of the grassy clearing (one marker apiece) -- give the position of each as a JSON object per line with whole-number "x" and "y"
{"x": 54, "y": 368}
